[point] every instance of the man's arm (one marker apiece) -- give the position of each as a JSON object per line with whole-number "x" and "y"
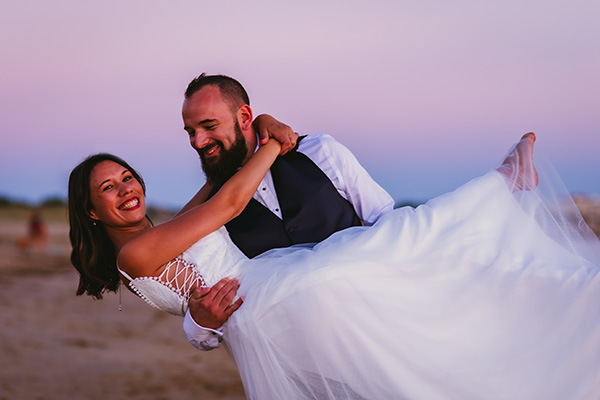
{"x": 208, "y": 310}
{"x": 204, "y": 339}
{"x": 200, "y": 197}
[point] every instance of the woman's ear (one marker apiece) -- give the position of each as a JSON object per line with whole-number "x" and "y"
{"x": 93, "y": 215}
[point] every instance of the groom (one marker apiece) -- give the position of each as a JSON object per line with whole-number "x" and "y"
{"x": 312, "y": 191}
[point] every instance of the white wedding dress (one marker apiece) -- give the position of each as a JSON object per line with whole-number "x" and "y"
{"x": 478, "y": 294}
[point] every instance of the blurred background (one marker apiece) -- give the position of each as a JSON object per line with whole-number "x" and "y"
{"x": 427, "y": 94}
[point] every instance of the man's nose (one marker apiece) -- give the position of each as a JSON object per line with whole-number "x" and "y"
{"x": 199, "y": 139}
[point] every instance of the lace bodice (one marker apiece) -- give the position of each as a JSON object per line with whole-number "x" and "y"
{"x": 203, "y": 264}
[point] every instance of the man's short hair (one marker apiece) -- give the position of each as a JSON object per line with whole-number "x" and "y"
{"x": 232, "y": 91}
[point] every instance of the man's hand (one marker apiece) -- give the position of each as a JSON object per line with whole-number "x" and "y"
{"x": 211, "y": 307}
{"x": 268, "y": 127}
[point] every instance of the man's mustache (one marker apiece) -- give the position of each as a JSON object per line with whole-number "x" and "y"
{"x": 203, "y": 150}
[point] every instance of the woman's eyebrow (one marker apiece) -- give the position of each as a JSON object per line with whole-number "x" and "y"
{"x": 122, "y": 173}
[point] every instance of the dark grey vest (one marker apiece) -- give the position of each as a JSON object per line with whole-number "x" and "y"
{"x": 311, "y": 207}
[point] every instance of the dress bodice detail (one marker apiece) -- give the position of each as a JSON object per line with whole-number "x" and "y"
{"x": 203, "y": 264}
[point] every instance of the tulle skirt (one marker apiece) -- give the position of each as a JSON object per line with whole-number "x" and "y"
{"x": 482, "y": 293}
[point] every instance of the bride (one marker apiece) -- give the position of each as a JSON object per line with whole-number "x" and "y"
{"x": 487, "y": 292}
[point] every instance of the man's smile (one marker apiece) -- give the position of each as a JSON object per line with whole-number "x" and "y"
{"x": 210, "y": 151}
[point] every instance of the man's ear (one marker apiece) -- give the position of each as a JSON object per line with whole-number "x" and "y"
{"x": 244, "y": 115}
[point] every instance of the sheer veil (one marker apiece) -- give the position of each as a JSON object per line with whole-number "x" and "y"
{"x": 550, "y": 202}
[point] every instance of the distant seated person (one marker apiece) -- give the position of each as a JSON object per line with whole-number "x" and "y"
{"x": 37, "y": 237}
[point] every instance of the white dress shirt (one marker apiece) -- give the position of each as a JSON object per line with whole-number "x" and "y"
{"x": 352, "y": 181}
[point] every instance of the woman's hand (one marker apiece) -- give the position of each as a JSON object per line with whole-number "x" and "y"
{"x": 268, "y": 127}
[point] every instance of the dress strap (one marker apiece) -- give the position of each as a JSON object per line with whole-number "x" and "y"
{"x": 125, "y": 274}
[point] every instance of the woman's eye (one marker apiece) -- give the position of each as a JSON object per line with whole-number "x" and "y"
{"x": 107, "y": 187}
{"x": 127, "y": 179}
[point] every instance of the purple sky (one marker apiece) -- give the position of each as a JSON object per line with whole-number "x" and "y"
{"x": 427, "y": 94}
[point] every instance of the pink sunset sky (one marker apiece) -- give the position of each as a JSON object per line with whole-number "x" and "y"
{"x": 427, "y": 94}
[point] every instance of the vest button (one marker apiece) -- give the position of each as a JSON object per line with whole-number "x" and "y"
{"x": 291, "y": 229}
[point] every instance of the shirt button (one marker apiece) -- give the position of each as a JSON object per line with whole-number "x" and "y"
{"x": 264, "y": 188}
{"x": 277, "y": 209}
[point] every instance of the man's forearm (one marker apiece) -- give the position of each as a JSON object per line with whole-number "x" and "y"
{"x": 204, "y": 339}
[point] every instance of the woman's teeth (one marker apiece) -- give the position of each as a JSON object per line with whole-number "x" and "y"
{"x": 129, "y": 204}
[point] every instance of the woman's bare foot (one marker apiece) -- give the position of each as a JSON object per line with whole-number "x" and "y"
{"x": 518, "y": 168}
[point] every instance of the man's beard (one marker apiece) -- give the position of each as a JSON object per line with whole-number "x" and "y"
{"x": 229, "y": 161}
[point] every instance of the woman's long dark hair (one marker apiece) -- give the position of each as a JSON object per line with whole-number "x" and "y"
{"x": 93, "y": 253}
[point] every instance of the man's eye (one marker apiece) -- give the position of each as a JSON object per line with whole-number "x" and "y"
{"x": 210, "y": 127}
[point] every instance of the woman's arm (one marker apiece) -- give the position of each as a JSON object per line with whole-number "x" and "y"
{"x": 267, "y": 127}
{"x": 147, "y": 252}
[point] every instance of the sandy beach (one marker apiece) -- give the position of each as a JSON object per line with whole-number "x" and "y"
{"x": 55, "y": 345}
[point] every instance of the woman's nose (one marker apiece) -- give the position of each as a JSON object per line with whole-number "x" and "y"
{"x": 125, "y": 189}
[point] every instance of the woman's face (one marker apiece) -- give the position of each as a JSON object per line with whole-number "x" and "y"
{"x": 117, "y": 197}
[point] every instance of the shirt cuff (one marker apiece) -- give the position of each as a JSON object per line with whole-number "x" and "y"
{"x": 200, "y": 337}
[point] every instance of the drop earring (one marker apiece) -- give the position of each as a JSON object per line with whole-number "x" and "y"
{"x": 120, "y": 304}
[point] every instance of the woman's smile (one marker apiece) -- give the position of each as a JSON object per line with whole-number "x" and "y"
{"x": 131, "y": 204}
